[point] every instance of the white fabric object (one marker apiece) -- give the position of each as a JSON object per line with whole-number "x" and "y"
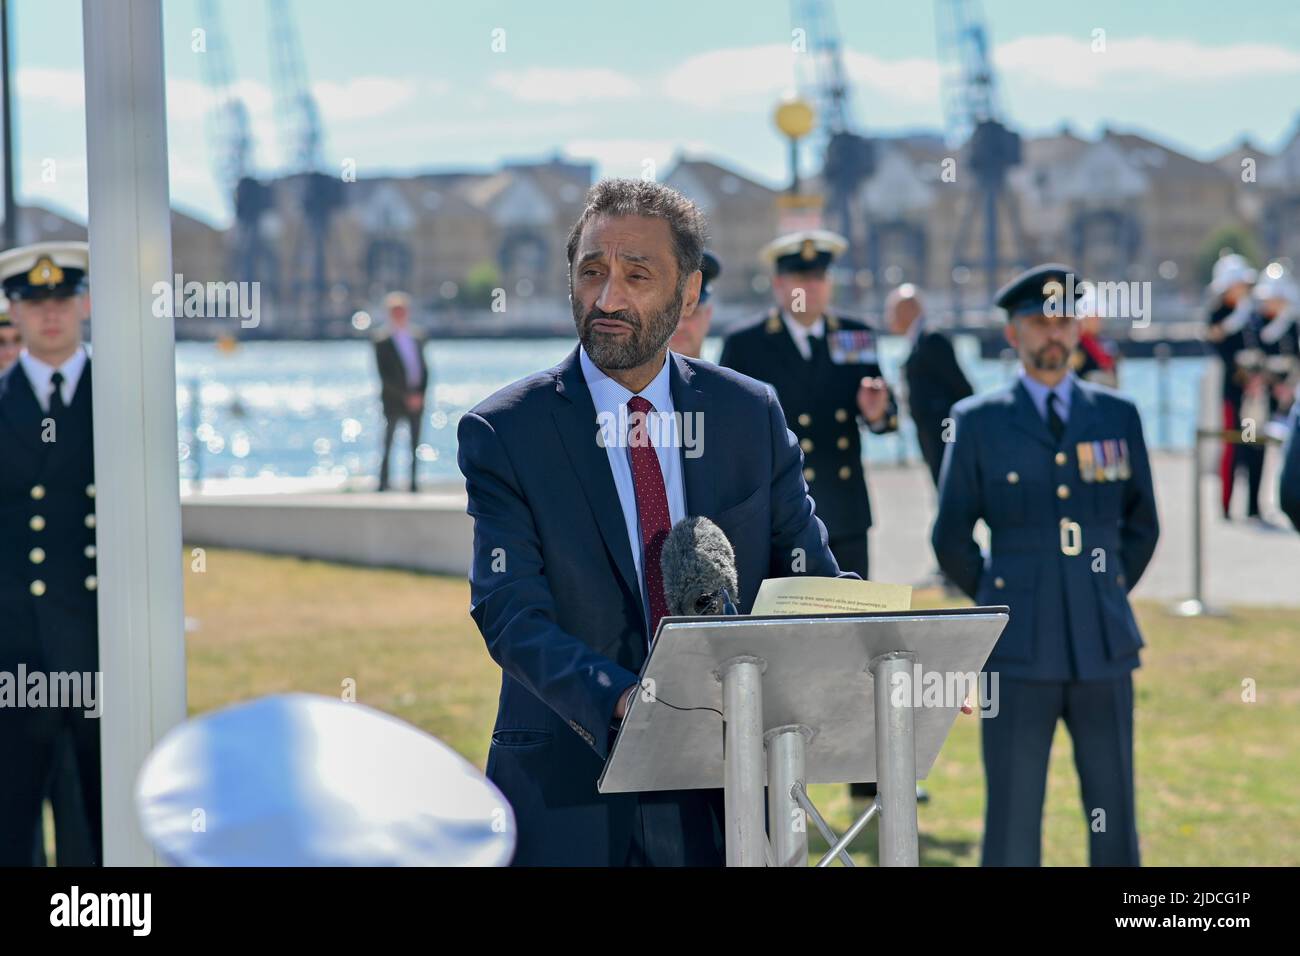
{"x": 1229, "y": 270}
{"x": 305, "y": 780}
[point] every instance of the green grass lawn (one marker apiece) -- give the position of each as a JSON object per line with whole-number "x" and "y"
{"x": 1217, "y": 777}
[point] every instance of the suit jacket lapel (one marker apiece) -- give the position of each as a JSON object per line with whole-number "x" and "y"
{"x": 21, "y": 409}
{"x": 1027, "y": 419}
{"x": 575, "y": 419}
{"x": 74, "y": 428}
{"x": 691, "y": 405}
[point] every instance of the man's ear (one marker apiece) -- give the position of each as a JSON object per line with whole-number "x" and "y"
{"x": 1009, "y": 332}
{"x": 691, "y": 297}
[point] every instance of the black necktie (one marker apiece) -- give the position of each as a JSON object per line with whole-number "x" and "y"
{"x": 1054, "y": 422}
{"x": 817, "y": 351}
{"x": 57, "y": 407}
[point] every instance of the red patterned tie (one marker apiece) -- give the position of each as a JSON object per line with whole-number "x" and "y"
{"x": 651, "y": 506}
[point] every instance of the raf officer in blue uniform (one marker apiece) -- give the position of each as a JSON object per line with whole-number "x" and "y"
{"x": 1057, "y": 469}
{"x": 47, "y": 539}
{"x": 827, "y": 378}
{"x": 1289, "y": 480}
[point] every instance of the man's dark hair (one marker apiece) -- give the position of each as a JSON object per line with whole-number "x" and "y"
{"x": 639, "y": 197}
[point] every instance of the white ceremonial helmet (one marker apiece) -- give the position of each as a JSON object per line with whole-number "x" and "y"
{"x": 1229, "y": 270}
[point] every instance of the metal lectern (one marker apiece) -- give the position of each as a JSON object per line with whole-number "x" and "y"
{"x": 741, "y": 702}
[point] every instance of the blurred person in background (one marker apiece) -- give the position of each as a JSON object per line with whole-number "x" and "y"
{"x": 11, "y": 340}
{"x": 1095, "y": 359}
{"x": 403, "y": 377}
{"x": 1229, "y": 312}
{"x": 693, "y": 329}
{"x": 935, "y": 381}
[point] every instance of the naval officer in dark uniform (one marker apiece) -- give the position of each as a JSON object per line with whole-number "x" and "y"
{"x": 823, "y": 366}
{"x": 47, "y": 539}
{"x": 1057, "y": 468}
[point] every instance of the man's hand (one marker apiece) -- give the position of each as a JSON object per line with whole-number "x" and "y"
{"x": 873, "y": 399}
{"x": 414, "y": 402}
{"x": 621, "y": 708}
{"x": 966, "y": 707}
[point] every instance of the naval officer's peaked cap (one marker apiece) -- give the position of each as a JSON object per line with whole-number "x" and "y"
{"x": 45, "y": 270}
{"x": 305, "y": 780}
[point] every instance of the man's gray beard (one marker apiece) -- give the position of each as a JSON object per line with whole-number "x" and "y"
{"x": 1040, "y": 362}
{"x": 608, "y": 352}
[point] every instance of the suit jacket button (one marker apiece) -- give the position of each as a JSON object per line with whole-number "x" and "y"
{"x": 90, "y": 550}
{"x": 1119, "y": 579}
{"x": 38, "y": 492}
{"x": 805, "y": 419}
{"x": 37, "y": 523}
{"x": 806, "y": 445}
{"x": 90, "y": 520}
{"x": 842, "y": 442}
{"x": 38, "y": 587}
{"x": 808, "y": 474}
{"x": 1012, "y": 477}
{"x": 92, "y": 582}
{"x": 90, "y": 491}
{"x": 999, "y": 583}
{"x": 36, "y": 555}
{"x": 845, "y": 473}
{"x": 841, "y": 414}
{"x": 1061, "y": 458}
{"x": 1062, "y": 491}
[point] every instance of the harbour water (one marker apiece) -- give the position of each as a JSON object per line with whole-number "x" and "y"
{"x": 273, "y": 412}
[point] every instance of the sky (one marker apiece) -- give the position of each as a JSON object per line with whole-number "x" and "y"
{"x": 418, "y": 85}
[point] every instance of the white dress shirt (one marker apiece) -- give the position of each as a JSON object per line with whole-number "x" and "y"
{"x": 800, "y": 333}
{"x": 609, "y": 396}
{"x": 408, "y": 350}
{"x": 40, "y": 374}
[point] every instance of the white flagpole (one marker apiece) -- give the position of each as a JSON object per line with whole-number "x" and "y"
{"x": 141, "y": 606}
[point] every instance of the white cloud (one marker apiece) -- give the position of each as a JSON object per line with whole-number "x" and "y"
{"x": 754, "y": 78}
{"x": 564, "y": 85}
{"x": 365, "y": 97}
{"x": 633, "y": 157}
{"x": 1070, "y": 63}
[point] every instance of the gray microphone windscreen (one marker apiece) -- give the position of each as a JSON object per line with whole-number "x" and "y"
{"x": 698, "y": 562}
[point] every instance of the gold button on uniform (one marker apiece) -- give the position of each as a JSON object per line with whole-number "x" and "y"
{"x": 90, "y": 550}
{"x": 841, "y": 414}
{"x": 92, "y": 582}
{"x": 842, "y": 442}
{"x": 1119, "y": 579}
{"x": 999, "y": 583}
{"x": 845, "y": 472}
{"x": 1062, "y": 491}
{"x": 36, "y": 555}
{"x": 90, "y": 521}
{"x": 805, "y": 420}
{"x": 1061, "y": 458}
{"x": 38, "y": 492}
{"x": 806, "y": 445}
{"x": 808, "y": 474}
{"x": 1013, "y": 477}
{"x": 38, "y": 588}
{"x": 37, "y": 523}
{"x": 90, "y": 491}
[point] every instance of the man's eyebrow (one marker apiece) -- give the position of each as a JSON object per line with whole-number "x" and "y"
{"x": 634, "y": 257}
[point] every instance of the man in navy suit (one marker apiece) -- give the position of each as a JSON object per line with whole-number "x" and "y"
{"x": 1057, "y": 468}
{"x": 571, "y": 505}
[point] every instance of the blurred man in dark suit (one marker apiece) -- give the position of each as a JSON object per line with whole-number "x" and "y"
{"x": 404, "y": 378}
{"x": 934, "y": 379}
{"x": 572, "y": 497}
{"x": 1289, "y": 480}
